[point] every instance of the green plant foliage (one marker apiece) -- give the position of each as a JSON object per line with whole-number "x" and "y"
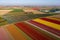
{"x": 17, "y": 10}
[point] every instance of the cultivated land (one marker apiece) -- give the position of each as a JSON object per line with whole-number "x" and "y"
{"x": 17, "y": 14}
{"x": 29, "y": 24}
{"x": 3, "y": 12}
